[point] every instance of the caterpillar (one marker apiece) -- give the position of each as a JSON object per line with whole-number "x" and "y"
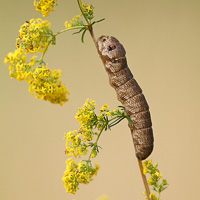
{"x": 129, "y": 93}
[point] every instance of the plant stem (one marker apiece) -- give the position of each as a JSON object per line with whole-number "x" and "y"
{"x": 49, "y": 42}
{"x": 158, "y": 195}
{"x": 80, "y": 7}
{"x": 68, "y": 29}
{"x": 144, "y": 180}
{"x": 89, "y": 24}
{"x": 105, "y": 125}
{"x": 92, "y": 35}
{"x": 97, "y": 140}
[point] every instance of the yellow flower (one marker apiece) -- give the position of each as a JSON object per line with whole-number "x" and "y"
{"x": 18, "y": 66}
{"x": 77, "y": 16}
{"x": 74, "y": 22}
{"x": 93, "y": 154}
{"x": 150, "y": 180}
{"x": 89, "y": 8}
{"x": 149, "y": 162}
{"x": 108, "y": 113}
{"x": 158, "y": 174}
{"x": 67, "y": 25}
{"x": 103, "y": 108}
{"x": 152, "y": 196}
{"x": 34, "y": 36}
{"x": 45, "y": 6}
{"x": 45, "y": 84}
{"x": 97, "y": 166}
{"x": 144, "y": 171}
{"x": 76, "y": 174}
{"x": 75, "y": 145}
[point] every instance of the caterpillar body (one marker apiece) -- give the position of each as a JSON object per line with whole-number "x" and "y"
{"x": 129, "y": 94}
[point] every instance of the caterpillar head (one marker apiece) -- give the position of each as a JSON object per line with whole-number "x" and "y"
{"x": 109, "y": 48}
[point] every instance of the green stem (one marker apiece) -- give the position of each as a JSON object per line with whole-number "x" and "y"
{"x": 80, "y": 7}
{"x": 46, "y": 49}
{"x": 114, "y": 118}
{"x": 89, "y": 23}
{"x": 118, "y": 116}
{"x": 106, "y": 124}
{"x": 97, "y": 140}
{"x": 158, "y": 195}
{"x": 68, "y": 29}
{"x": 116, "y": 121}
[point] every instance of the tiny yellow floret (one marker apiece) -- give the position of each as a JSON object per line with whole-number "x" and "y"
{"x": 45, "y": 6}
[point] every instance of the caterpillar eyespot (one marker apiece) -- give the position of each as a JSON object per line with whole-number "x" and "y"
{"x": 111, "y": 47}
{"x": 129, "y": 94}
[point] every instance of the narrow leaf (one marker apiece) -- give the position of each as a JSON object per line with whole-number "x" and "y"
{"x": 82, "y": 38}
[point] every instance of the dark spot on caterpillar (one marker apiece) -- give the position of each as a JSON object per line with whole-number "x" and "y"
{"x": 111, "y": 47}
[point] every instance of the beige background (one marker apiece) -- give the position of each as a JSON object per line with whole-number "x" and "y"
{"x": 162, "y": 40}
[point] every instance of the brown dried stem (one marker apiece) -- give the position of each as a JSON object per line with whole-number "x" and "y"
{"x": 92, "y": 35}
{"x": 144, "y": 180}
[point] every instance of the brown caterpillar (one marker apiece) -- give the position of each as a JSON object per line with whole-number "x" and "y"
{"x": 129, "y": 94}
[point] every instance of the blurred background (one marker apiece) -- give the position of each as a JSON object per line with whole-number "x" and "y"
{"x": 162, "y": 41}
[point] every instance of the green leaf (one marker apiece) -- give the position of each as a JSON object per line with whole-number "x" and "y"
{"x": 100, "y": 20}
{"x": 128, "y": 118}
{"x": 155, "y": 189}
{"x": 163, "y": 189}
{"x": 78, "y": 31}
{"x": 90, "y": 144}
{"x": 116, "y": 122}
{"x": 94, "y": 22}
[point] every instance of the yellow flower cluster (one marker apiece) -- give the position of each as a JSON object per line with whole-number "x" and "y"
{"x": 34, "y": 36}
{"x": 105, "y": 111}
{"x": 74, "y": 22}
{"x": 150, "y": 168}
{"x": 86, "y": 115}
{"x": 79, "y": 142}
{"x": 75, "y": 144}
{"x": 75, "y": 174}
{"x": 146, "y": 165}
{"x": 152, "y": 196}
{"x": 88, "y": 11}
{"x": 46, "y": 85}
{"x": 45, "y": 6}
{"x": 18, "y": 66}
{"x": 155, "y": 178}
{"x": 104, "y": 107}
